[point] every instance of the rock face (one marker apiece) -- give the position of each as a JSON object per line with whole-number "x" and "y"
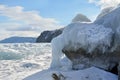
{"x": 95, "y": 44}
{"x": 47, "y": 36}
{"x": 19, "y": 40}
{"x": 80, "y": 18}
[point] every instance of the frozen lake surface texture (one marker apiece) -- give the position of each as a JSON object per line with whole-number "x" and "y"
{"x": 18, "y": 61}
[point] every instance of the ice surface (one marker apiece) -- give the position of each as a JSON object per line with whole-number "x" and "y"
{"x": 9, "y": 56}
{"x": 17, "y": 61}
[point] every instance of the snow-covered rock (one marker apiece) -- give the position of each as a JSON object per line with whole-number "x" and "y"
{"x": 112, "y": 20}
{"x": 80, "y": 18}
{"x": 87, "y": 36}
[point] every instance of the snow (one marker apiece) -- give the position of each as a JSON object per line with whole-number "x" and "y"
{"x": 86, "y": 74}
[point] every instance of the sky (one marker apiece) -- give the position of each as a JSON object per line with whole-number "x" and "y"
{"x": 29, "y": 18}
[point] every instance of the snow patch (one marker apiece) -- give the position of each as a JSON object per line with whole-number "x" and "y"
{"x": 86, "y": 74}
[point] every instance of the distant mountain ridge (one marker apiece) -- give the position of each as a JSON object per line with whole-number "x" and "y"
{"x": 17, "y": 39}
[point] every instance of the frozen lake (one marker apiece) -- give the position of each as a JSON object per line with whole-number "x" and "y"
{"x": 18, "y": 61}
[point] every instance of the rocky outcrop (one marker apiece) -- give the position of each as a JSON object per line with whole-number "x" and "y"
{"x": 47, "y": 36}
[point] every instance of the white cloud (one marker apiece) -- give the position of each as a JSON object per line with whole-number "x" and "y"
{"x": 23, "y": 21}
{"x": 30, "y": 18}
{"x": 105, "y": 3}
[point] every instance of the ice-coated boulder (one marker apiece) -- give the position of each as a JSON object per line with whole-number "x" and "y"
{"x": 77, "y": 37}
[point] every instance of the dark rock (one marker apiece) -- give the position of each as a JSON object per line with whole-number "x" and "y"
{"x": 47, "y": 36}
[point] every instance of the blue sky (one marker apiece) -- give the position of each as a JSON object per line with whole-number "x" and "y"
{"x": 61, "y": 10}
{"x": 30, "y": 17}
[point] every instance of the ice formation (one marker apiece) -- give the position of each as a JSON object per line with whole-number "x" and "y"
{"x": 81, "y": 35}
{"x": 112, "y": 20}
